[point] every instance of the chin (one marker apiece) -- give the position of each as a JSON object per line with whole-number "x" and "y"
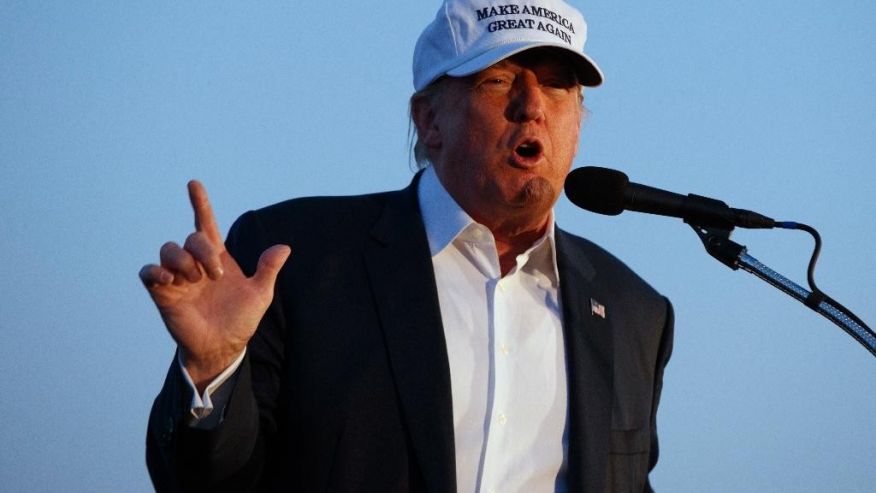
{"x": 536, "y": 192}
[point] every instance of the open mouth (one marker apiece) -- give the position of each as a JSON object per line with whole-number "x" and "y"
{"x": 528, "y": 149}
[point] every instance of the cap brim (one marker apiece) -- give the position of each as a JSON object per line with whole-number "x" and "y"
{"x": 588, "y": 72}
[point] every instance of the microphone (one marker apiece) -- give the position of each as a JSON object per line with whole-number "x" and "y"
{"x": 607, "y": 191}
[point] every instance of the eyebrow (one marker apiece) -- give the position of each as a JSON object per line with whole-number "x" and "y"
{"x": 564, "y": 70}
{"x": 500, "y": 64}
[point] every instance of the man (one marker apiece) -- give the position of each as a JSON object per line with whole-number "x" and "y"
{"x": 445, "y": 337}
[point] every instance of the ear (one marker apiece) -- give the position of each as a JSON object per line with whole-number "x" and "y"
{"x": 425, "y": 118}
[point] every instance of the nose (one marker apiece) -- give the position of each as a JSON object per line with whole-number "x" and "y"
{"x": 527, "y": 102}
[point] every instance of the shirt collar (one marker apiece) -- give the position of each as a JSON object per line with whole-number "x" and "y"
{"x": 443, "y": 217}
{"x": 445, "y": 220}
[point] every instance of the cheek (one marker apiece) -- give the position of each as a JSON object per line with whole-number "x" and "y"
{"x": 565, "y": 142}
{"x": 567, "y": 133}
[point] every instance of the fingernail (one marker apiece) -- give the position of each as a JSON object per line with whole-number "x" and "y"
{"x": 165, "y": 278}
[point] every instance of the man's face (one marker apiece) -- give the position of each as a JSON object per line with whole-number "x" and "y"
{"x": 502, "y": 140}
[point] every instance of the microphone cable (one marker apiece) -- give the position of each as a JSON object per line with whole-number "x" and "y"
{"x": 817, "y": 296}
{"x": 820, "y": 302}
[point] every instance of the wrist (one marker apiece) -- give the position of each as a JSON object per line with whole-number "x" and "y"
{"x": 204, "y": 369}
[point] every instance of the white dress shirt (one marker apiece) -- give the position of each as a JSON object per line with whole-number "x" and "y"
{"x": 505, "y": 348}
{"x": 506, "y": 352}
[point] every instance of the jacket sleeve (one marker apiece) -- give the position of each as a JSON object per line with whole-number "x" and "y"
{"x": 663, "y": 354}
{"x": 181, "y": 458}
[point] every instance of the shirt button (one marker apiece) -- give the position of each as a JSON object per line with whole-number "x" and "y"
{"x": 505, "y": 349}
{"x": 503, "y": 419}
{"x": 501, "y": 285}
{"x": 543, "y": 282}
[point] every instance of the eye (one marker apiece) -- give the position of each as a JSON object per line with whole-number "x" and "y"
{"x": 558, "y": 82}
{"x": 496, "y": 81}
{"x": 558, "y": 87}
{"x": 495, "y": 84}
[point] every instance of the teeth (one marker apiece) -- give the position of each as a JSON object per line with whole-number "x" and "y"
{"x": 528, "y": 149}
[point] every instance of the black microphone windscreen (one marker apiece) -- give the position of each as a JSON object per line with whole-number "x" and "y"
{"x": 599, "y": 190}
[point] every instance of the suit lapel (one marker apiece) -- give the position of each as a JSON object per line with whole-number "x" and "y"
{"x": 403, "y": 282}
{"x": 590, "y": 367}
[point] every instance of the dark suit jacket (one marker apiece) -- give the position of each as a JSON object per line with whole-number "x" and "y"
{"x": 346, "y": 384}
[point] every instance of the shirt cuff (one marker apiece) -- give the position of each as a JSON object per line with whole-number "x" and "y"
{"x": 202, "y": 405}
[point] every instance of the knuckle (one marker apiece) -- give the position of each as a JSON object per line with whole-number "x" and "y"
{"x": 172, "y": 256}
{"x": 193, "y": 241}
{"x": 168, "y": 248}
{"x": 198, "y": 244}
{"x": 149, "y": 275}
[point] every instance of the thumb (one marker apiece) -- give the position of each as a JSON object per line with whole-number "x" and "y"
{"x": 270, "y": 263}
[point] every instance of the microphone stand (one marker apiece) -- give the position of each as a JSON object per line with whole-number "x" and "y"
{"x": 719, "y": 245}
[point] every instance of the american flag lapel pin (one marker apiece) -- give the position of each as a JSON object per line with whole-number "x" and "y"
{"x": 597, "y": 308}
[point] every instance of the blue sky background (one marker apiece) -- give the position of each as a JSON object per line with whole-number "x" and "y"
{"x": 107, "y": 108}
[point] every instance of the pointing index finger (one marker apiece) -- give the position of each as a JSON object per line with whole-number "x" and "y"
{"x": 204, "y": 219}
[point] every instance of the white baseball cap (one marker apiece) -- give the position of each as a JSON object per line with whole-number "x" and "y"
{"x": 468, "y": 36}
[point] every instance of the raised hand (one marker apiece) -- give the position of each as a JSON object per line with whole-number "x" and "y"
{"x": 209, "y": 306}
